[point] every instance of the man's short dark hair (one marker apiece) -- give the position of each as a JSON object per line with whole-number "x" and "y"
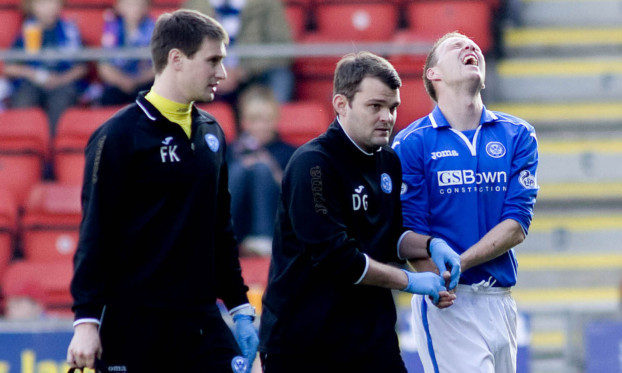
{"x": 185, "y": 30}
{"x": 354, "y": 67}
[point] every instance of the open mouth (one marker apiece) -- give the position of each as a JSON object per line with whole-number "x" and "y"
{"x": 470, "y": 59}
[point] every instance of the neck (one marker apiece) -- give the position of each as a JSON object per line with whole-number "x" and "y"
{"x": 164, "y": 85}
{"x": 462, "y": 112}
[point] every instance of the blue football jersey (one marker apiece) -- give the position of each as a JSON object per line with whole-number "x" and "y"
{"x": 457, "y": 186}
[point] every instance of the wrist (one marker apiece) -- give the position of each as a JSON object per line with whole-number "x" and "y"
{"x": 427, "y": 246}
{"x": 246, "y": 311}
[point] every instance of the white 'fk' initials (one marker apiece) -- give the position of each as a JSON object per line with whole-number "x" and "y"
{"x": 169, "y": 151}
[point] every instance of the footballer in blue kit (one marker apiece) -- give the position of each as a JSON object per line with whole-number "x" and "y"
{"x": 469, "y": 182}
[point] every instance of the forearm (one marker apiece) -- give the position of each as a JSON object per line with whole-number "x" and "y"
{"x": 413, "y": 246}
{"x": 109, "y": 74}
{"x": 496, "y": 242}
{"x": 72, "y": 74}
{"x": 19, "y": 71}
{"x": 384, "y": 275}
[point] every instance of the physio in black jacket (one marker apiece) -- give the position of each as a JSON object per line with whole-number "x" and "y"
{"x": 156, "y": 244}
{"x": 328, "y": 306}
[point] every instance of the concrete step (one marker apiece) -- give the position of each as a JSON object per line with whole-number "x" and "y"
{"x": 555, "y": 117}
{"x": 563, "y": 41}
{"x": 573, "y": 231}
{"x": 581, "y": 192}
{"x": 571, "y": 12}
{"x": 558, "y": 80}
{"x": 584, "y": 167}
{"x": 583, "y": 281}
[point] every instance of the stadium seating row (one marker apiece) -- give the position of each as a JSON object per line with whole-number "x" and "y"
{"x": 25, "y": 144}
{"x": 48, "y": 230}
{"x": 324, "y": 22}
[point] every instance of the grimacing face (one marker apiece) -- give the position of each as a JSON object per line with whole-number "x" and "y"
{"x": 459, "y": 61}
{"x": 370, "y": 117}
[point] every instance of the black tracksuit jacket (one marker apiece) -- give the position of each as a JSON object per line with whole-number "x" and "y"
{"x": 156, "y": 228}
{"x": 336, "y": 204}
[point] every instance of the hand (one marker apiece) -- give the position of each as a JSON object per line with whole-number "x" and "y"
{"x": 426, "y": 283}
{"x": 85, "y": 346}
{"x": 246, "y": 335}
{"x": 446, "y": 298}
{"x": 444, "y": 256}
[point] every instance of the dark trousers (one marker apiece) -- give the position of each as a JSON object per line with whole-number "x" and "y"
{"x": 154, "y": 340}
{"x": 379, "y": 362}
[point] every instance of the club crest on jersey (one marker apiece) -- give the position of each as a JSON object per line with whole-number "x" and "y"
{"x": 495, "y": 149}
{"x": 239, "y": 364}
{"x": 527, "y": 180}
{"x": 385, "y": 183}
{"x": 212, "y": 142}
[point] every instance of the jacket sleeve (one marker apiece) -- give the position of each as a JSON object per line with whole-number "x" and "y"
{"x": 230, "y": 286}
{"x": 316, "y": 210}
{"x": 88, "y": 285}
{"x": 523, "y": 183}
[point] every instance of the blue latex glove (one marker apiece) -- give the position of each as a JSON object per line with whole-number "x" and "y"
{"x": 426, "y": 283}
{"x": 444, "y": 256}
{"x": 246, "y": 336}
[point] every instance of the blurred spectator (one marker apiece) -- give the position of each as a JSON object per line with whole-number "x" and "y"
{"x": 256, "y": 163}
{"x": 25, "y": 301}
{"x": 252, "y": 22}
{"x": 129, "y": 26}
{"x": 50, "y": 84}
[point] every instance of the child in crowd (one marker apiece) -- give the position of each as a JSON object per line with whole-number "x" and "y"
{"x": 25, "y": 301}
{"x": 129, "y": 26}
{"x": 50, "y": 84}
{"x": 256, "y": 163}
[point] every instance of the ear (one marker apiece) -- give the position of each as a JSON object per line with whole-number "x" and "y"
{"x": 339, "y": 104}
{"x": 175, "y": 58}
{"x": 432, "y": 74}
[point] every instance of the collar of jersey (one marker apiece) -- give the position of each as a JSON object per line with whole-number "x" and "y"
{"x": 438, "y": 119}
{"x": 352, "y": 141}
{"x": 152, "y": 113}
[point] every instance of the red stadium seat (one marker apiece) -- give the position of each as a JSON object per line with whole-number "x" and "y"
{"x": 296, "y": 15}
{"x": 316, "y": 88}
{"x": 224, "y": 115}
{"x": 255, "y": 274}
{"x": 90, "y": 22}
{"x": 8, "y": 228}
{"x": 74, "y": 129}
{"x": 9, "y": 27}
{"x": 255, "y": 270}
{"x": 24, "y": 144}
{"x": 301, "y": 121}
{"x": 435, "y": 18}
{"x": 411, "y": 64}
{"x": 51, "y": 221}
{"x": 415, "y": 102}
{"x": 52, "y": 278}
{"x": 358, "y": 22}
{"x": 346, "y": 23}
